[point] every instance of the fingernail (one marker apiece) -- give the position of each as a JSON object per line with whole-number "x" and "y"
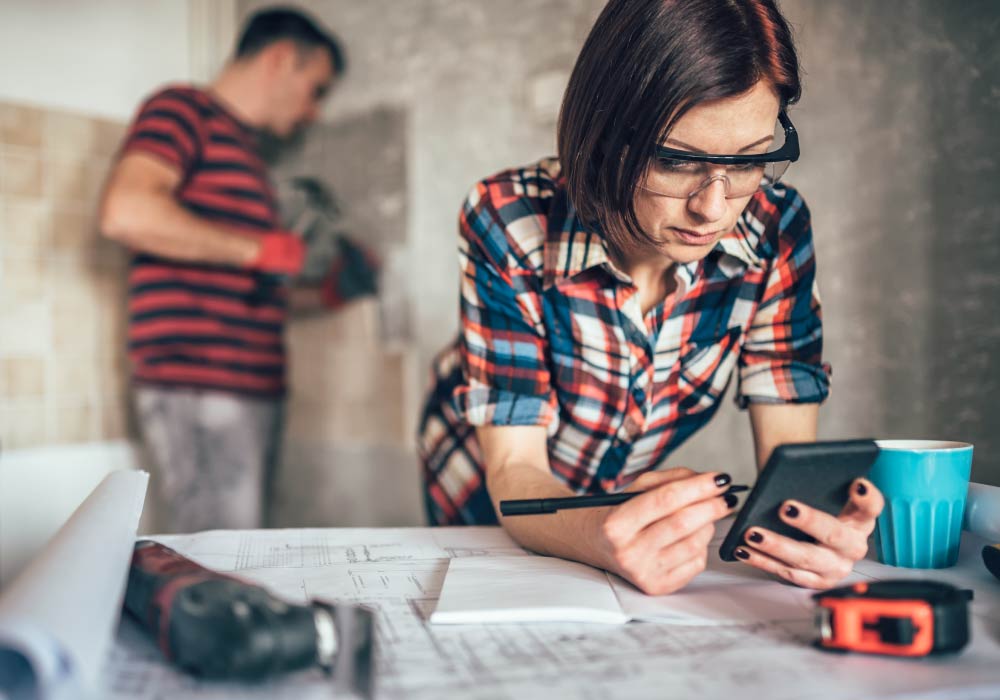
{"x": 755, "y": 537}
{"x": 742, "y": 553}
{"x": 723, "y": 479}
{"x": 861, "y": 489}
{"x": 731, "y": 500}
{"x": 793, "y": 511}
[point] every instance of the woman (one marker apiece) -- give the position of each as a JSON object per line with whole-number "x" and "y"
{"x": 608, "y": 296}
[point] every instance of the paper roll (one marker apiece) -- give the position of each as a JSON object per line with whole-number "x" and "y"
{"x": 58, "y": 616}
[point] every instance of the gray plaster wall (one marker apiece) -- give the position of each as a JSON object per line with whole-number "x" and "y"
{"x": 899, "y": 125}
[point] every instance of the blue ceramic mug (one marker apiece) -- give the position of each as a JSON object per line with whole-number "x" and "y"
{"x": 925, "y": 483}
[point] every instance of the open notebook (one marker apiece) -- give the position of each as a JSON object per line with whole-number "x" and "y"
{"x": 529, "y": 588}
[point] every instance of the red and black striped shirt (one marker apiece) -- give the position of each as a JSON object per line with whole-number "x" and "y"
{"x": 206, "y": 326}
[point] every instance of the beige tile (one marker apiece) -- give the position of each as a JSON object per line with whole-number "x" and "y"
{"x": 73, "y": 228}
{"x": 20, "y": 125}
{"x": 25, "y": 329}
{"x": 310, "y": 421}
{"x": 73, "y": 375}
{"x": 22, "y": 424}
{"x": 72, "y": 421}
{"x": 76, "y": 329}
{"x": 75, "y": 179}
{"x": 114, "y": 418}
{"x": 21, "y": 172}
{"x": 24, "y": 377}
{"x": 109, "y": 136}
{"x": 64, "y": 131}
{"x": 112, "y": 322}
{"x": 390, "y": 401}
{"x": 98, "y": 168}
{"x": 113, "y": 374}
{"x": 67, "y": 177}
{"x": 22, "y": 279}
{"x": 73, "y": 292}
{"x": 25, "y": 225}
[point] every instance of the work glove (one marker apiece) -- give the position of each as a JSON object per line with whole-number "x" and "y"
{"x": 280, "y": 253}
{"x": 354, "y": 274}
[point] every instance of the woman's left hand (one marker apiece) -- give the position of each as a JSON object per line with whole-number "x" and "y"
{"x": 840, "y": 541}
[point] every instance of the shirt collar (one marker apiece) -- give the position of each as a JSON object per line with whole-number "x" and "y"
{"x": 571, "y": 247}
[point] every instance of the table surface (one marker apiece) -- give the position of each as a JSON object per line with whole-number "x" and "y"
{"x": 400, "y": 572}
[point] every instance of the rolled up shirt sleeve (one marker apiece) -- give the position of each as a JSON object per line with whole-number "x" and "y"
{"x": 781, "y": 359}
{"x": 502, "y": 339}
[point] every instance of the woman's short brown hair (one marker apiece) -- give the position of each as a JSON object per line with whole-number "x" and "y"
{"x": 644, "y": 64}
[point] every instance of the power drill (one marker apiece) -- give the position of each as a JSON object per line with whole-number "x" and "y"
{"x": 216, "y": 626}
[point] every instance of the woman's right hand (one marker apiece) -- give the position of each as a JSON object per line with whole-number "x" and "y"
{"x": 659, "y": 539}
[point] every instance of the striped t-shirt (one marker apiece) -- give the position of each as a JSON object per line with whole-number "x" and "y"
{"x": 199, "y": 325}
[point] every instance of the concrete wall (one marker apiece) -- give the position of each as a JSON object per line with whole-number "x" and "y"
{"x": 899, "y": 169}
{"x": 902, "y": 170}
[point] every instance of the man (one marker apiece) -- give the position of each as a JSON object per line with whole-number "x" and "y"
{"x": 208, "y": 295}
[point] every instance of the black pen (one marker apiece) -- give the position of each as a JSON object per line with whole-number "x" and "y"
{"x": 536, "y": 506}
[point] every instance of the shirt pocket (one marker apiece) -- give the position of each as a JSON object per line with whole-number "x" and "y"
{"x": 705, "y": 370}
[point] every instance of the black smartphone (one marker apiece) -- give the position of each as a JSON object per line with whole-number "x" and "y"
{"x": 818, "y": 474}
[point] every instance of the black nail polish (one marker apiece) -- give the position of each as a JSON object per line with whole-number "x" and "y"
{"x": 861, "y": 489}
{"x": 723, "y": 480}
{"x": 742, "y": 553}
{"x": 792, "y": 511}
{"x": 755, "y": 537}
{"x": 730, "y": 500}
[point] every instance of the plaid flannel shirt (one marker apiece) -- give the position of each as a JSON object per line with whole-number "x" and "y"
{"x": 552, "y": 334}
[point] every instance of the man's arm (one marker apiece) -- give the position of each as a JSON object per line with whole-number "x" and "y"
{"x": 138, "y": 209}
{"x": 774, "y": 424}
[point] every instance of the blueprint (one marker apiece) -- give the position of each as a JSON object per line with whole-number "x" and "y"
{"x": 400, "y": 572}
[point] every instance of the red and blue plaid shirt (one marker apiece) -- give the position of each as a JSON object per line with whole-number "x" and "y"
{"x": 552, "y": 334}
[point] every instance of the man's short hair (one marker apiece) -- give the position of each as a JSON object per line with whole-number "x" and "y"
{"x": 274, "y": 24}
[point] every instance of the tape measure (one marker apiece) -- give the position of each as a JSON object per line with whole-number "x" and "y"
{"x": 898, "y": 617}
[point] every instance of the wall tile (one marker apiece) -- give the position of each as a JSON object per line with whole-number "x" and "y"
{"x": 20, "y": 125}
{"x": 21, "y": 172}
{"x": 23, "y": 376}
{"x": 73, "y": 375}
{"x": 114, "y": 418}
{"x": 72, "y": 421}
{"x": 22, "y": 423}
{"x": 73, "y": 229}
{"x": 391, "y": 399}
{"x": 23, "y": 279}
{"x": 73, "y": 133}
{"x": 67, "y": 177}
{"x": 108, "y": 137}
{"x": 25, "y": 226}
{"x": 62, "y": 286}
{"x": 25, "y": 328}
{"x": 74, "y": 328}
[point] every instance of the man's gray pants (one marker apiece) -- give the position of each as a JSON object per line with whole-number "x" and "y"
{"x": 214, "y": 456}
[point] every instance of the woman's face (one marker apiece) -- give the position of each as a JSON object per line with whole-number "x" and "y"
{"x": 687, "y": 229}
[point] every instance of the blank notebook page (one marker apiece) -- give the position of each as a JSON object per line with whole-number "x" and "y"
{"x": 525, "y": 589}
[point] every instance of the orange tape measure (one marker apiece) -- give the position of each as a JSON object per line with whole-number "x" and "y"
{"x": 899, "y": 617}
